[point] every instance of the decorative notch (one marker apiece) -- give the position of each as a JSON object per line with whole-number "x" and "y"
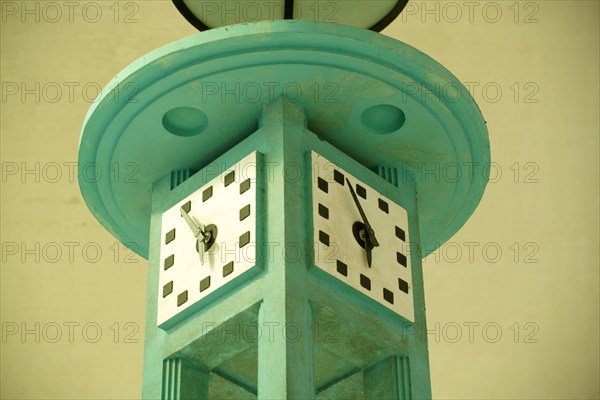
{"x": 229, "y": 178}
{"x": 204, "y": 284}
{"x": 244, "y": 239}
{"x": 245, "y": 186}
{"x": 383, "y": 206}
{"x": 342, "y": 268}
{"x": 403, "y": 285}
{"x": 228, "y": 269}
{"x": 167, "y": 289}
{"x": 169, "y": 261}
{"x": 361, "y": 191}
{"x": 207, "y": 193}
{"x": 323, "y": 211}
{"x": 365, "y": 282}
{"x": 400, "y": 234}
{"x": 324, "y": 238}
{"x": 170, "y": 236}
{"x": 339, "y": 177}
{"x": 245, "y": 212}
{"x": 388, "y": 296}
{"x": 401, "y": 258}
{"x": 182, "y": 298}
{"x": 323, "y": 185}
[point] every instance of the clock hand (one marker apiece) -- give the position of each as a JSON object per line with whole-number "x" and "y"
{"x": 201, "y": 249}
{"x": 370, "y": 233}
{"x": 201, "y": 236}
{"x": 196, "y": 230}
{"x": 369, "y": 249}
{"x": 204, "y": 241}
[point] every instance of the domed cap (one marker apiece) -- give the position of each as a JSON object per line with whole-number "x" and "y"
{"x": 370, "y": 14}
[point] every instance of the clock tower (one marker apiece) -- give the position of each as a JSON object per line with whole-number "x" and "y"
{"x": 280, "y": 206}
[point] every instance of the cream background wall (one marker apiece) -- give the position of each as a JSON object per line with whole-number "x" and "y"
{"x": 512, "y": 300}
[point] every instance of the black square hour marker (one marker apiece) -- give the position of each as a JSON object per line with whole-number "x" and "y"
{"x": 205, "y": 284}
{"x": 182, "y": 298}
{"x": 244, "y": 239}
{"x": 167, "y": 289}
{"x": 338, "y": 177}
{"x": 227, "y": 269}
{"x": 170, "y": 236}
{"x": 365, "y": 282}
{"x": 244, "y": 212}
{"x": 324, "y": 238}
{"x": 342, "y": 268}
{"x": 323, "y": 211}
{"x": 323, "y": 185}
{"x": 383, "y": 206}
{"x": 207, "y": 194}
{"x": 229, "y": 178}
{"x": 187, "y": 206}
{"x": 403, "y": 285}
{"x": 361, "y": 191}
{"x": 169, "y": 261}
{"x": 400, "y": 234}
{"x": 388, "y": 296}
{"x": 401, "y": 259}
{"x": 245, "y": 186}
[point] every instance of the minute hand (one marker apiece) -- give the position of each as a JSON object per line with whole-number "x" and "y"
{"x": 370, "y": 231}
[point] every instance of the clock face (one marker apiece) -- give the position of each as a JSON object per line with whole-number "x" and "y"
{"x": 208, "y": 239}
{"x": 342, "y": 239}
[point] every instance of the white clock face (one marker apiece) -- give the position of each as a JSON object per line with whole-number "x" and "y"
{"x": 341, "y": 242}
{"x": 224, "y": 210}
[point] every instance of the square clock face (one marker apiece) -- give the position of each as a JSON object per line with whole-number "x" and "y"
{"x": 343, "y": 210}
{"x": 208, "y": 239}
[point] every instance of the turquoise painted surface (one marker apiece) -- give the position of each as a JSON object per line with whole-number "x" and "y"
{"x": 369, "y": 344}
{"x": 345, "y": 79}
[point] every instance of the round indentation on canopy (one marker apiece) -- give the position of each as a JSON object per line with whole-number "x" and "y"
{"x": 453, "y": 129}
{"x": 185, "y": 121}
{"x": 383, "y": 118}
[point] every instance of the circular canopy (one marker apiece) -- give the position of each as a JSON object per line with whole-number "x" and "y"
{"x": 368, "y": 14}
{"x": 378, "y": 100}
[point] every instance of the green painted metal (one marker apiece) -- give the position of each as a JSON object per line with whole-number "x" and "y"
{"x": 343, "y": 344}
{"x": 378, "y": 100}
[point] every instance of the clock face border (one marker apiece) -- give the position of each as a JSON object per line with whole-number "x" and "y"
{"x": 337, "y": 252}
{"x": 184, "y": 285}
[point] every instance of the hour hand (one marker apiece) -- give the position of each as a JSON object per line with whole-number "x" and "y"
{"x": 196, "y": 230}
{"x": 371, "y": 235}
{"x": 199, "y": 234}
{"x": 369, "y": 250}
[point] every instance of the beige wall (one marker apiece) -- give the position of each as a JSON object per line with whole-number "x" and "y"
{"x": 544, "y": 140}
